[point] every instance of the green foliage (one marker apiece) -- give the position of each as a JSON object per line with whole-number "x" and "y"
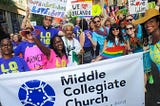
{"x": 37, "y": 18}
{"x": 71, "y": 18}
{"x": 7, "y": 2}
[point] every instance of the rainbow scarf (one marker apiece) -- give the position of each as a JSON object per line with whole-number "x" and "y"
{"x": 112, "y": 52}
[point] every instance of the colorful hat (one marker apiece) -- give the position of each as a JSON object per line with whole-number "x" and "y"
{"x": 150, "y": 13}
{"x": 112, "y": 52}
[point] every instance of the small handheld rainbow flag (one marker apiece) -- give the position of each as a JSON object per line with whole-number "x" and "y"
{"x": 112, "y": 52}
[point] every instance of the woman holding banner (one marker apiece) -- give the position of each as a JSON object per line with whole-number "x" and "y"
{"x": 56, "y": 54}
{"x": 151, "y": 21}
{"x": 114, "y": 45}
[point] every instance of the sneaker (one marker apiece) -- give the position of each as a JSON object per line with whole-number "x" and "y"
{"x": 150, "y": 79}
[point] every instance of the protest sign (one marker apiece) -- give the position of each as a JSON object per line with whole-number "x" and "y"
{"x": 137, "y": 6}
{"x": 113, "y": 82}
{"x": 96, "y": 10}
{"x": 54, "y": 8}
{"x": 81, "y": 8}
{"x": 152, "y": 4}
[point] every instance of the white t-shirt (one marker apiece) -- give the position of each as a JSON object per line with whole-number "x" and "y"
{"x": 71, "y": 47}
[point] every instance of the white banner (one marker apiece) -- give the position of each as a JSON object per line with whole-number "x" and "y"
{"x": 112, "y": 82}
{"x": 81, "y": 8}
{"x": 54, "y": 8}
{"x": 137, "y": 6}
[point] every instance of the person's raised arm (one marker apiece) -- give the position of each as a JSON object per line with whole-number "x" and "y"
{"x": 45, "y": 50}
{"x": 26, "y": 21}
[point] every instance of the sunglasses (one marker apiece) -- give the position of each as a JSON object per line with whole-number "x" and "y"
{"x": 27, "y": 32}
{"x": 97, "y": 21}
{"x": 129, "y": 28}
{"x": 8, "y": 45}
{"x": 48, "y": 19}
{"x": 128, "y": 20}
{"x": 115, "y": 29}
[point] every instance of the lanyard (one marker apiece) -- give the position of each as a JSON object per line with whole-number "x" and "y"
{"x": 69, "y": 47}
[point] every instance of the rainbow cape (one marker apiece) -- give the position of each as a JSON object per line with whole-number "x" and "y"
{"x": 112, "y": 52}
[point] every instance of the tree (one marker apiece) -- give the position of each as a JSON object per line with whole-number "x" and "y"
{"x": 37, "y": 18}
{"x": 7, "y": 2}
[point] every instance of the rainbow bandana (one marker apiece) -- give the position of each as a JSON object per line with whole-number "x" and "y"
{"x": 112, "y": 52}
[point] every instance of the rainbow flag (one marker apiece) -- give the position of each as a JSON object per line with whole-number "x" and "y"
{"x": 112, "y": 52}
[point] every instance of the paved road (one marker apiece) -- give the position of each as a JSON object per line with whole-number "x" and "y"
{"x": 153, "y": 91}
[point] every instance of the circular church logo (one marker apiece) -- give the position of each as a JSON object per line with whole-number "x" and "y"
{"x": 36, "y": 93}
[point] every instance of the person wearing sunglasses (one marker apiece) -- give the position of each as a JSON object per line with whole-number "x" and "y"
{"x": 139, "y": 32}
{"x": 29, "y": 50}
{"x": 134, "y": 42}
{"x": 151, "y": 22}
{"x": 46, "y": 30}
{"x": 10, "y": 63}
{"x": 139, "y": 45}
{"x": 114, "y": 42}
{"x": 99, "y": 34}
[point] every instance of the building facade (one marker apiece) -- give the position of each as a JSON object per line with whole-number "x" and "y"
{"x": 11, "y": 15}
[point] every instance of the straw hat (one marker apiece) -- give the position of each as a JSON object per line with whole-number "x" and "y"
{"x": 150, "y": 13}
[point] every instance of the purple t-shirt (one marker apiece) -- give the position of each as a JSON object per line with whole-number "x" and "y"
{"x": 13, "y": 65}
{"x": 87, "y": 42}
{"x": 46, "y": 34}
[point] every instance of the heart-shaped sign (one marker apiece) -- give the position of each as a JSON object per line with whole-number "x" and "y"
{"x": 84, "y": 6}
{"x": 137, "y": 3}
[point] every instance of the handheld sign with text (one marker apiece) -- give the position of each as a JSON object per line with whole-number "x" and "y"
{"x": 137, "y": 6}
{"x": 81, "y": 8}
{"x": 54, "y": 8}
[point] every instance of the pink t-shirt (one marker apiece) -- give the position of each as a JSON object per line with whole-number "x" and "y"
{"x": 34, "y": 58}
{"x": 55, "y": 61}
